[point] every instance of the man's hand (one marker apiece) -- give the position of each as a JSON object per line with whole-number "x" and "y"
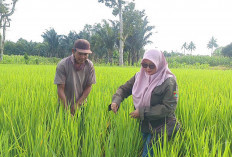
{"x": 78, "y": 104}
{"x": 73, "y": 109}
{"x": 135, "y": 114}
{"x": 114, "y": 107}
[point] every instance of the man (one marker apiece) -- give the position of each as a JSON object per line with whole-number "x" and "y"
{"x": 75, "y": 76}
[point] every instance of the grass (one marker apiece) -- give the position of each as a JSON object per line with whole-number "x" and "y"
{"x": 31, "y": 124}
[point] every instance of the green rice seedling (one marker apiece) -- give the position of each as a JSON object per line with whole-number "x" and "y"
{"x": 32, "y": 125}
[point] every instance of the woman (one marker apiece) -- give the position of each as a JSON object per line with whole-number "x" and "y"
{"x": 154, "y": 91}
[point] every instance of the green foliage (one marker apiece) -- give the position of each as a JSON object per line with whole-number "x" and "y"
{"x": 31, "y": 125}
{"x": 227, "y": 51}
{"x": 26, "y": 58}
{"x": 185, "y": 47}
{"x": 212, "y": 44}
{"x": 23, "y": 46}
{"x": 196, "y": 60}
{"x": 36, "y": 61}
{"x": 172, "y": 54}
{"x": 191, "y": 46}
{"x": 218, "y": 51}
{"x": 137, "y": 32}
{"x": 193, "y": 62}
{"x": 19, "y": 59}
{"x": 52, "y": 38}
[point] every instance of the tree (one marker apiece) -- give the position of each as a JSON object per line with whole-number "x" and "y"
{"x": 212, "y": 43}
{"x": 118, "y": 8}
{"x": 191, "y": 47}
{"x": 6, "y": 10}
{"x": 107, "y": 36}
{"x": 217, "y": 51}
{"x": 227, "y": 51}
{"x": 52, "y": 38}
{"x": 137, "y": 32}
{"x": 10, "y": 48}
{"x": 66, "y": 43}
{"x": 22, "y": 47}
{"x": 41, "y": 49}
{"x": 185, "y": 47}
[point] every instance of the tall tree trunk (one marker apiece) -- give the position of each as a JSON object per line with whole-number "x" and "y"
{"x": 110, "y": 57}
{"x": 129, "y": 57}
{"x": 121, "y": 44}
{"x": 133, "y": 57}
{"x": 1, "y": 48}
{"x": 4, "y": 18}
{"x": 137, "y": 56}
{"x": 2, "y": 37}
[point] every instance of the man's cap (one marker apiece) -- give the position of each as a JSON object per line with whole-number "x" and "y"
{"x": 82, "y": 45}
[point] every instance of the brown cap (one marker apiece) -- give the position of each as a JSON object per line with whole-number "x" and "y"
{"x": 82, "y": 45}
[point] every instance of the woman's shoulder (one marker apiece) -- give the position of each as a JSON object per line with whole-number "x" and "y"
{"x": 167, "y": 84}
{"x": 171, "y": 81}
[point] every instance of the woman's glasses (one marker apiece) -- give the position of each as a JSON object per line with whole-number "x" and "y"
{"x": 145, "y": 65}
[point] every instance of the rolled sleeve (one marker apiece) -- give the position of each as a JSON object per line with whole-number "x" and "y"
{"x": 92, "y": 77}
{"x": 60, "y": 76}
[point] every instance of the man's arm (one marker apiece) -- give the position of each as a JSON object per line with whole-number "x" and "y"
{"x": 61, "y": 95}
{"x": 81, "y": 100}
{"x": 84, "y": 95}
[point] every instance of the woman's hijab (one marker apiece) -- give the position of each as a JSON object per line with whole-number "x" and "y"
{"x": 144, "y": 83}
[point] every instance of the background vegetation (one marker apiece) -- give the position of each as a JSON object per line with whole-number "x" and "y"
{"x": 173, "y": 59}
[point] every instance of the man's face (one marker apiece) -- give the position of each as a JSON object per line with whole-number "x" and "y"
{"x": 80, "y": 57}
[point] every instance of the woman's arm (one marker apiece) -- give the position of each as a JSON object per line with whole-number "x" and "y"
{"x": 122, "y": 92}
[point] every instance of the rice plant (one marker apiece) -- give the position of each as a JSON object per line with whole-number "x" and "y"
{"x": 31, "y": 124}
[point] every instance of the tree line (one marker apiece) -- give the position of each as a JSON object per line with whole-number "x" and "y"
{"x": 213, "y": 46}
{"x": 104, "y": 38}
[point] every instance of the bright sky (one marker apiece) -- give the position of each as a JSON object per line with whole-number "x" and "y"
{"x": 176, "y": 21}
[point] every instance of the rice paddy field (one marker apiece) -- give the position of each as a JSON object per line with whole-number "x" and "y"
{"x": 32, "y": 125}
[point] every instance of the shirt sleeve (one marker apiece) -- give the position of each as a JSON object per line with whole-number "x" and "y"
{"x": 166, "y": 108}
{"x": 92, "y": 77}
{"x": 123, "y": 91}
{"x": 60, "y": 76}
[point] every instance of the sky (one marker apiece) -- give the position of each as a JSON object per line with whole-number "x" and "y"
{"x": 175, "y": 21}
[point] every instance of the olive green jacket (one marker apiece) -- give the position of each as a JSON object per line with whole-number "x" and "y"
{"x": 163, "y": 102}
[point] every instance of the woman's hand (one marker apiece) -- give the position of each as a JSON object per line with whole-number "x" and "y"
{"x": 114, "y": 107}
{"x": 135, "y": 114}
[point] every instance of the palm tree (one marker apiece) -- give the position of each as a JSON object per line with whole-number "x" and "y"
{"x": 212, "y": 43}
{"x": 191, "y": 47}
{"x": 107, "y": 37}
{"x": 52, "y": 38}
{"x": 137, "y": 32}
{"x": 185, "y": 47}
{"x": 117, "y": 5}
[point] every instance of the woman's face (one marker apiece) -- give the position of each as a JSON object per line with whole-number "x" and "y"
{"x": 149, "y": 67}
